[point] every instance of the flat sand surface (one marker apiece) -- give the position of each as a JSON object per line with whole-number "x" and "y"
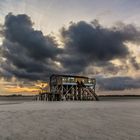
{"x": 83, "y": 120}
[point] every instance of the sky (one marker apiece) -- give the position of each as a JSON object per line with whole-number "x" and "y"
{"x": 96, "y": 38}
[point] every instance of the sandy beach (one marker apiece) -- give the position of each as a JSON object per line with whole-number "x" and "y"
{"x": 103, "y": 120}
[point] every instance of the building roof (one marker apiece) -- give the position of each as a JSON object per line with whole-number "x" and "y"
{"x": 75, "y": 76}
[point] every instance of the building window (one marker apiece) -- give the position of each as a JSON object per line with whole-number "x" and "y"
{"x": 89, "y": 81}
{"x": 64, "y": 79}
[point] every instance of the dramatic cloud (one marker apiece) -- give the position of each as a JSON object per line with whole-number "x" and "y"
{"x": 89, "y": 48}
{"x": 92, "y": 44}
{"x": 1, "y": 30}
{"x": 27, "y": 52}
{"x": 18, "y": 29}
{"x": 118, "y": 83}
{"x": 134, "y": 63}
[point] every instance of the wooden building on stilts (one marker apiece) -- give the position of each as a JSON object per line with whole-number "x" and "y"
{"x": 69, "y": 87}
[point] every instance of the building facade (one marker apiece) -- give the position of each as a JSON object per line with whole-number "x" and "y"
{"x": 69, "y": 87}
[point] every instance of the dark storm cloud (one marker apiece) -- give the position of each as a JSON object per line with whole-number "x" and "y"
{"x": 134, "y": 63}
{"x": 18, "y": 29}
{"x": 1, "y": 30}
{"x": 28, "y": 53}
{"x": 91, "y": 43}
{"x": 118, "y": 83}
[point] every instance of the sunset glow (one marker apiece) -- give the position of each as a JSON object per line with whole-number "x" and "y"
{"x": 79, "y": 37}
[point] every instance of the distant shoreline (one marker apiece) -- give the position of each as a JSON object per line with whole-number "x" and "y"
{"x": 32, "y": 97}
{"x": 17, "y": 98}
{"x": 118, "y": 97}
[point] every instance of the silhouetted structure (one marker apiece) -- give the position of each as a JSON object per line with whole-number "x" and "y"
{"x": 69, "y": 87}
